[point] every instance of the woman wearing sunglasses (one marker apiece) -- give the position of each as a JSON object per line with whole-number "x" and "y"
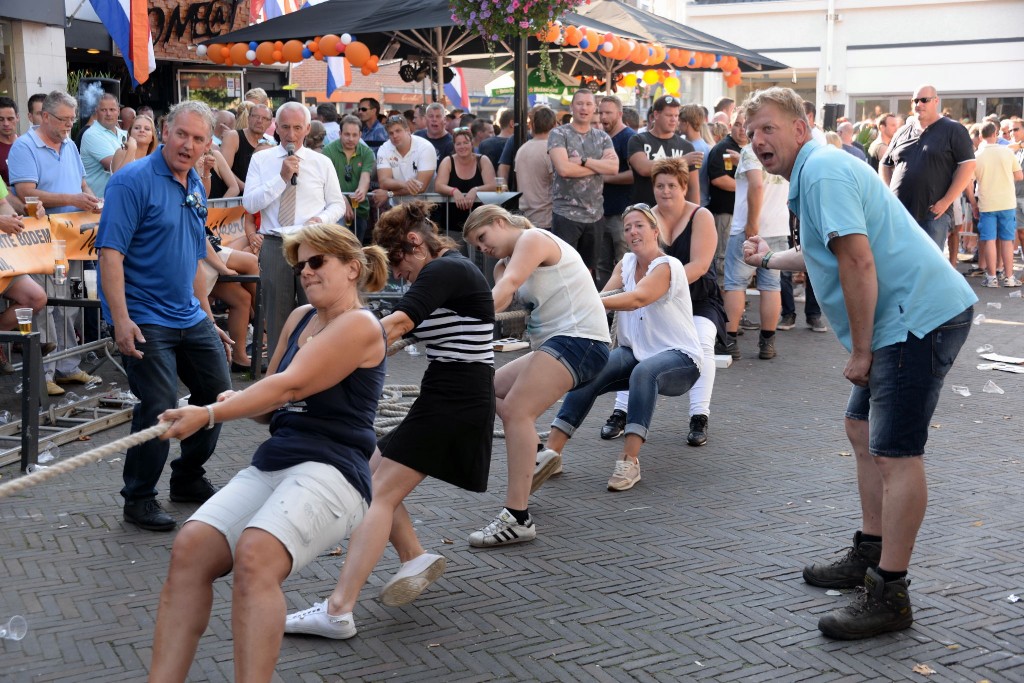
{"x": 448, "y": 431}
{"x": 462, "y": 176}
{"x": 569, "y": 338}
{"x": 309, "y": 483}
{"x": 659, "y": 352}
{"x": 689, "y": 231}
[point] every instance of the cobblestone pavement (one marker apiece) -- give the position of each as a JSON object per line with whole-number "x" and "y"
{"x": 692, "y": 575}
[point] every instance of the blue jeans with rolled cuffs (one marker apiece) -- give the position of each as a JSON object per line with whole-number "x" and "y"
{"x": 669, "y": 373}
{"x": 903, "y": 388}
{"x": 196, "y": 355}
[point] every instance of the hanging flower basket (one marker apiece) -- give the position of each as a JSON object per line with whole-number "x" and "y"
{"x": 497, "y": 19}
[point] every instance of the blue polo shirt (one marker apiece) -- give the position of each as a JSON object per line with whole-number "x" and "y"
{"x": 32, "y": 161}
{"x": 146, "y": 218}
{"x": 98, "y": 143}
{"x": 835, "y": 194}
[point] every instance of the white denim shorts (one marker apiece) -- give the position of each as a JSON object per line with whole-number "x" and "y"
{"x": 309, "y": 508}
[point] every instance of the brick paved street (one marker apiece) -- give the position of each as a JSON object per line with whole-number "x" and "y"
{"x": 692, "y": 575}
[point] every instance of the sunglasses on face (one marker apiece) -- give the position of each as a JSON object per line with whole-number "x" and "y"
{"x": 315, "y": 262}
{"x": 922, "y": 100}
{"x": 364, "y": 109}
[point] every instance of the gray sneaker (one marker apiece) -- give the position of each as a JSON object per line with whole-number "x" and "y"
{"x": 786, "y": 322}
{"x": 879, "y": 607}
{"x": 849, "y": 570}
{"x": 816, "y": 324}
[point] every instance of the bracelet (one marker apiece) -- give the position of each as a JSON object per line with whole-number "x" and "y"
{"x": 766, "y": 259}
{"x": 212, "y": 422}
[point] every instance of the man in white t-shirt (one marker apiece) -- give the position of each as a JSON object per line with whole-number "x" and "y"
{"x": 760, "y": 209}
{"x": 405, "y": 164}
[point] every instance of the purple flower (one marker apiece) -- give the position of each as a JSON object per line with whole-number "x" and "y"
{"x": 510, "y": 20}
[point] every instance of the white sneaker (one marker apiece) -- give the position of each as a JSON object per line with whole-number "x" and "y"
{"x": 1011, "y": 282}
{"x": 549, "y": 463}
{"x": 411, "y": 579}
{"x": 625, "y": 476}
{"x": 504, "y": 530}
{"x": 315, "y": 621}
{"x": 989, "y": 281}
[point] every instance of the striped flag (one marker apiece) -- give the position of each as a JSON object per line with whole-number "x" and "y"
{"x": 339, "y": 74}
{"x": 457, "y": 91}
{"x": 127, "y": 22}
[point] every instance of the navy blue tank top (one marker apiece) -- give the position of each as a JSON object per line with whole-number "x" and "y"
{"x": 334, "y": 427}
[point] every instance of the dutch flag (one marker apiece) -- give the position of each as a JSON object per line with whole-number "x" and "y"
{"x": 339, "y": 74}
{"x": 457, "y": 91}
{"x": 127, "y": 22}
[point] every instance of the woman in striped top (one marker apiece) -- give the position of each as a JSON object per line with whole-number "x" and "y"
{"x": 448, "y": 431}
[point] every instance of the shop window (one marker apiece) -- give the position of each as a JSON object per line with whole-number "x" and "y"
{"x": 1004, "y": 107}
{"x": 219, "y": 89}
{"x": 869, "y": 109}
{"x": 6, "y": 60}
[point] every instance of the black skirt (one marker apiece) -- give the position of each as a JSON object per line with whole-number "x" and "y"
{"x": 450, "y": 426}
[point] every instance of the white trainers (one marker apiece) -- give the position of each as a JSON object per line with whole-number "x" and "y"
{"x": 504, "y": 530}
{"x": 1011, "y": 282}
{"x": 549, "y": 463}
{"x": 625, "y": 476}
{"x": 989, "y": 281}
{"x": 411, "y": 579}
{"x": 315, "y": 621}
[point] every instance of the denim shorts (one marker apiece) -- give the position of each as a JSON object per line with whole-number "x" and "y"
{"x": 738, "y": 272}
{"x": 999, "y": 225}
{"x": 903, "y": 388}
{"x": 583, "y": 358}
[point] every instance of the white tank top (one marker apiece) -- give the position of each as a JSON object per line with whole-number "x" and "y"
{"x": 562, "y": 300}
{"x": 664, "y": 324}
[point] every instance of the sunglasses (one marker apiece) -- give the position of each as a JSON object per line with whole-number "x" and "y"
{"x": 364, "y": 108}
{"x": 196, "y": 204}
{"x": 397, "y": 118}
{"x": 315, "y": 262}
{"x": 460, "y": 129}
{"x": 642, "y": 208}
{"x": 922, "y": 100}
{"x": 348, "y": 173}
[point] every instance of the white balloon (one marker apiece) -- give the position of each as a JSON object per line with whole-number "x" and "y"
{"x": 201, "y": 50}
{"x": 251, "y": 55}
{"x": 346, "y": 38}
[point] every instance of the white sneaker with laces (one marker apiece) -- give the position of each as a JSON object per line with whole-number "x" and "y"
{"x": 315, "y": 621}
{"x": 625, "y": 476}
{"x": 1011, "y": 282}
{"x": 504, "y": 530}
{"x": 989, "y": 281}
{"x": 549, "y": 463}
{"x": 411, "y": 579}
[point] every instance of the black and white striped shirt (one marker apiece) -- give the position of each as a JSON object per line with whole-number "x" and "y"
{"x": 453, "y": 311}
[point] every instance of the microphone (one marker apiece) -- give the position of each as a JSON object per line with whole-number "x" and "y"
{"x": 291, "y": 152}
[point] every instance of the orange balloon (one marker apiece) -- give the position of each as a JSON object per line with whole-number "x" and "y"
{"x": 357, "y": 53}
{"x": 709, "y": 59}
{"x": 278, "y": 45}
{"x": 214, "y": 52}
{"x": 365, "y": 70}
{"x": 639, "y": 54}
{"x": 329, "y": 45}
{"x": 278, "y": 57}
{"x": 238, "y": 51}
{"x": 593, "y": 41}
{"x": 265, "y": 52}
{"x": 319, "y": 56}
{"x": 553, "y": 33}
{"x": 572, "y": 36}
{"x": 292, "y": 51}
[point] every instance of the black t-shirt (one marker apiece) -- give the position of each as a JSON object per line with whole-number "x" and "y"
{"x": 492, "y": 149}
{"x": 453, "y": 311}
{"x": 442, "y": 145}
{"x": 653, "y": 148}
{"x": 721, "y": 201}
{"x": 925, "y": 161}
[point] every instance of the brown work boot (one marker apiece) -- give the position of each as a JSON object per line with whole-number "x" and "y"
{"x": 849, "y": 570}
{"x": 878, "y": 607}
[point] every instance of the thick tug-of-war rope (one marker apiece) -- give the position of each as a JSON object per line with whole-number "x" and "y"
{"x": 86, "y": 458}
{"x": 391, "y": 410}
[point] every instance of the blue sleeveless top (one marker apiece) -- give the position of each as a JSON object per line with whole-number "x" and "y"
{"x": 334, "y": 427}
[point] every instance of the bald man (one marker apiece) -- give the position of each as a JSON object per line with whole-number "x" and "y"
{"x": 929, "y": 164}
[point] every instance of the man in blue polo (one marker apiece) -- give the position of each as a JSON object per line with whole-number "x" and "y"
{"x": 901, "y": 311}
{"x": 45, "y": 163}
{"x": 151, "y": 239}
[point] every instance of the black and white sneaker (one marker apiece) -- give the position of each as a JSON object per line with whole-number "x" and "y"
{"x": 504, "y": 530}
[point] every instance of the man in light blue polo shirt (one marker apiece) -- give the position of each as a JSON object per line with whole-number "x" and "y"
{"x": 45, "y": 163}
{"x": 99, "y": 142}
{"x": 151, "y": 239}
{"x": 903, "y": 313}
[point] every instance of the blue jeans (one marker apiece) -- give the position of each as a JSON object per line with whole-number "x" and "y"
{"x": 669, "y": 373}
{"x": 196, "y": 355}
{"x": 938, "y": 228}
{"x": 903, "y": 388}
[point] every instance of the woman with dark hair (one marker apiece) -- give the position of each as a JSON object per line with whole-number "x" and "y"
{"x": 462, "y": 176}
{"x": 448, "y": 431}
{"x": 569, "y": 338}
{"x": 309, "y": 483}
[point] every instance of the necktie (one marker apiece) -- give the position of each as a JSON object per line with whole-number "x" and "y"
{"x": 286, "y": 209}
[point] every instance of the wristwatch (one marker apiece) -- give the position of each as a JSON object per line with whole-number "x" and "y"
{"x": 583, "y": 162}
{"x": 390, "y": 194}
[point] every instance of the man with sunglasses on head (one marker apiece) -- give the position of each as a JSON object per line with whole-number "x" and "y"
{"x": 290, "y": 185}
{"x": 661, "y": 140}
{"x": 373, "y": 132}
{"x": 151, "y": 239}
{"x": 353, "y": 161}
{"x": 929, "y": 164}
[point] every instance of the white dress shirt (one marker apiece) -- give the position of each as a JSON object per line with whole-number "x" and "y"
{"x": 318, "y": 194}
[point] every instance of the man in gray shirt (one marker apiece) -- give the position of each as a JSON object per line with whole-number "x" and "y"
{"x": 581, "y": 155}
